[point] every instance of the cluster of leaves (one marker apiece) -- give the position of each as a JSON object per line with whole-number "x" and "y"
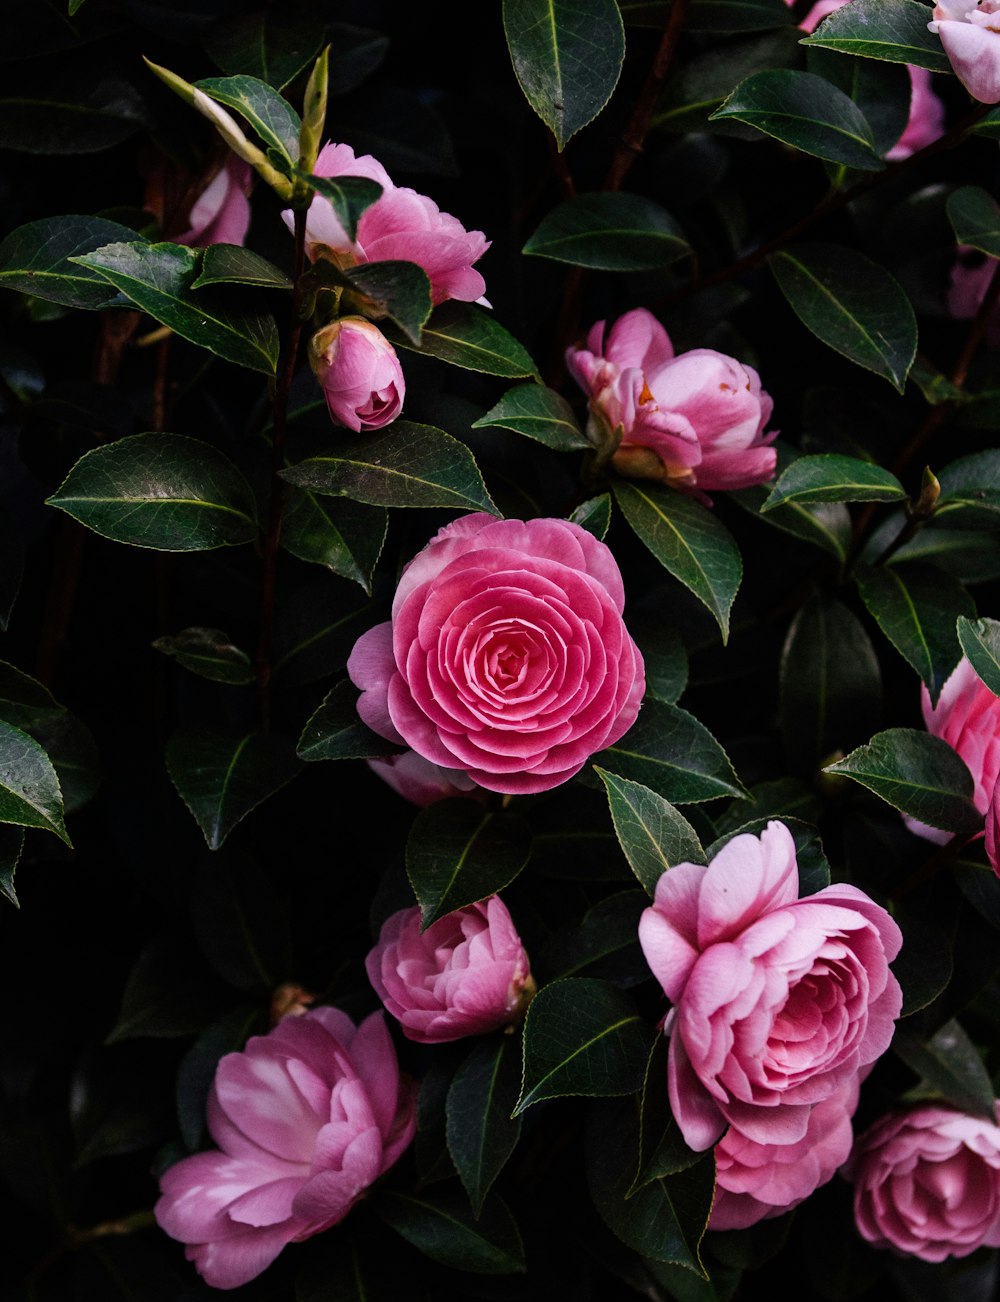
{"x": 165, "y": 646}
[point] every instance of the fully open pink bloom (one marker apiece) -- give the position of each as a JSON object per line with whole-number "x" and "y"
{"x": 221, "y": 213}
{"x": 755, "y": 1182}
{"x": 305, "y": 1119}
{"x": 421, "y": 782}
{"x": 465, "y": 975}
{"x": 927, "y": 1183}
{"x": 359, "y": 373}
{"x": 970, "y": 34}
{"x": 694, "y": 421}
{"x": 506, "y": 656}
{"x": 401, "y": 224}
{"x": 778, "y": 1002}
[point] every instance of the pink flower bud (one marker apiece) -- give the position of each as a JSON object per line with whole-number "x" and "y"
{"x": 465, "y": 975}
{"x": 359, "y": 372}
{"x": 421, "y": 782}
{"x": 970, "y": 34}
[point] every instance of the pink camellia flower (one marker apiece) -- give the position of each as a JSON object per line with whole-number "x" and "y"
{"x": 221, "y": 213}
{"x": 993, "y": 829}
{"x": 465, "y": 975}
{"x": 693, "y": 421}
{"x": 927, "y": 1183}
{"x": 970, "y": 34}
{"x": 506, "y": 656}
{"x": 401, "y": 224}
{"x": 970, "y": 279}
{"x": 778, "y": 1003}
{"x": 359, "y": 373}
{"x": 421, "y": 782}
{"x": 305, "y": 1118}
{"x": 755, "y": 1182}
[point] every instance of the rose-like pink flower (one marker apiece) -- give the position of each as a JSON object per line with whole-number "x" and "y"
{"x": 359, "y": 373}
{"x": 305, "y": 1119}
{"x": 465, "y": 975}
{"x": 421, "y": 782}
{"x": 401, "y": 224}
{"x": 506, "y": 656}
{"x": 970, "y": 34}
{"x": 221, "y": 212}
{"x": 778, "y": 1002}
{"x": 694, "y": 421}
{"x": 755, "y": 1182}
{"x": 993, "y": 829}
{"x": 927, "y": 1183}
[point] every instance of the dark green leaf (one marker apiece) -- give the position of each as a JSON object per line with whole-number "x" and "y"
{"x": 209, "y": 653}
{"x": 349, "y": 196}
{"x": 443, "y": 1228}
{"x": 662, "y": 1150}
{"x": 355, "y": 52}
{"x": 347, "y": 537}
{"x": 12, "y": 570}
{"x": 604, "y": 943}
{"x": 881, "y": 91}
{"x": 241, "y": 922}
{"x": 668, "y": 750}
{"x": 665, "y": 657}
{"x": 317, "y": 628}
{"x": 653, "y": 834}
{"x": 35, "y": 259}
{"x": 688, "y": 541}
{"x": 221, "y": 778}
{"x": 29, "y": 789}
{"x": 594, "y": 515}
{"x": 925, "y": 965}
{"x": 166, "y": 994}
{"x": 582, "y": 1036}
{"x": 814, "y": 867}
{"x": 975, "y": 218}
{"x": 949, "y": 1063}
{"x": 540, "y": 413}
{"x": 232, "y": 264}
{"x": 970, "y": 492}
{"x": 430, "y": 1147}
{"x": 163, "y": 491}
{"x": 609, "y": 232}
{"x": 731, "y": 15}
{"x": 981, "y": 887}
{"x": 775, "y": 799}
{"x": 275, "y": 45}
{"x": 980, "y": 640}
{"x": 458, "y": 853}
{"x": 11, "y": 845}
{"x": 893, "y": 30}
{"x": 806, "y": 112}
{"x": 158, "y": 278}
{"x": 404, "y": 465}
{"x": 825, "y": 524}
{"x": 334, "y": 730}
{"x": 70, "y": 746}
{"x": 24, "y": 700}
{"x": 574, "y": 839}
{"x": 197, "y": 1069}
{"x": 851, "y": 304}
{"x": 916, "y": 607}
{"x": 829, "y": 477}
{"x": 917, "y": 773}
{"x": 271, "y": 116}
{"x": 481, "y": 1133}
{"x": 400, "y": 291}
{"x": 567, "y": 58}
{"x": 468, "y": 336}
{"x": 71, "y": 121}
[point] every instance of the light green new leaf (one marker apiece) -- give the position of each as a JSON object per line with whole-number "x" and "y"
{"x": 270, "y": 115}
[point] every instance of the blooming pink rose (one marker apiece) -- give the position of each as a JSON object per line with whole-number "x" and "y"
{"x": 927, "y": 1183}
{"x": 755, "y": 1182}
{"x": 694, "y": 422}
{"x": 420, "y": 781}
{"x": 970, "y": 34}
{"x": 221, "y": 213}
{"x": 306, "y": 1118}
{"x": 401, "y": 224}
{"x": 778, "y": 1002}
{"x": 506, "y": 655}
{"x": 465, "y": 975}
{"x": 359, "y": 373}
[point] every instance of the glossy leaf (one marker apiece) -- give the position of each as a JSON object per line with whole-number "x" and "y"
{"x": 669, "y": 751}
{"x": 688, "y": 541}
{"x": 317, "y": 628}
{"x": 582, "y": 1037}
{"x": 594, "y": 515}
{"x": 970, "y": 492}
{"x": 806, "y": 112}
{"x": 405, "y": 465}
{"x": 480, "y": 1130}
{"x": 158, "y": 279}
{"x": 400, "y": 291}
{"x": 349, "y": 196}
{"x": 163, "y": 491}
{"x": 980, "y": 640}
{"x": 604, "y": 943}
{"x": 274, "y": 45}
{"x": 221, "y": 778}
{"x": 951, "y": 1066}
{"x": 925, "y": 965}
{"x": 916, "y": 607}
{"x": 225, "y": 264}
{"x": 611, "y": 231}
{"x": 917, "y": 773}
{"x": 851, "y": 304}
{"x": 539, "y": 413}
{"x": 55, "y": 122}
{"x": 468, "y": 336}
{"x": 829, "y": 477}
{"x": 334, "y": 730}
{"x": 661, "y": 1149}
{"x": 653, "y": 834}
{"x": 824, "y": 524}
{"x": 35, "y": 259}
{"x": 11, "y": 845}
{"x": 346, "y": 537}
{"x": 567, "y": 58}
{"x": 893, "y": 30}
{"x": 442, "y": 1227}
{"x": 209, "y": 653}
{"x": 271, "y": 116}
{"x": 975, "y": 218}
{"x": 665, "y": 658}
{"x": 458, "y": 853}
{"x": 70, "y": 746}
{"x": 29, "y": 789}
{"x": 882, "y": 92}
{"x": 23, "y": 700}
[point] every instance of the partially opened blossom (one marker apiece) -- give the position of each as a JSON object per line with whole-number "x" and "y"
{"x": 359, "y": 373}
{"x": 465, "y": 975}
{"x": 306, "y": 1118}
{"x": 970, "y": 34}
{"x": 778, "y": 1002}
{"x": 421, "y": 782}
{"x": 927, "y": 1183}
{"x": 221, "y": 212}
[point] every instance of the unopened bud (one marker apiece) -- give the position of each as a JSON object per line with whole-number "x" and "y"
{"x": 359, "y": 372}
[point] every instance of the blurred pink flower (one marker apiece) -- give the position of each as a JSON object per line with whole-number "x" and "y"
{"x": 421, "y": 782}
{"x": 359, "y": 373}
{"x": 465, "y": 975}
{"x": 779, "y": 1002}
{"x": 970, "y": 34}
{"x": 993, "y": 829}
{"x": 305, "y": 1118}
{"x": 971, "y": 276}
{"x": 693, "y": 421}
{"x": 927, "y": 1183}
{"x": 221, "y": 212}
